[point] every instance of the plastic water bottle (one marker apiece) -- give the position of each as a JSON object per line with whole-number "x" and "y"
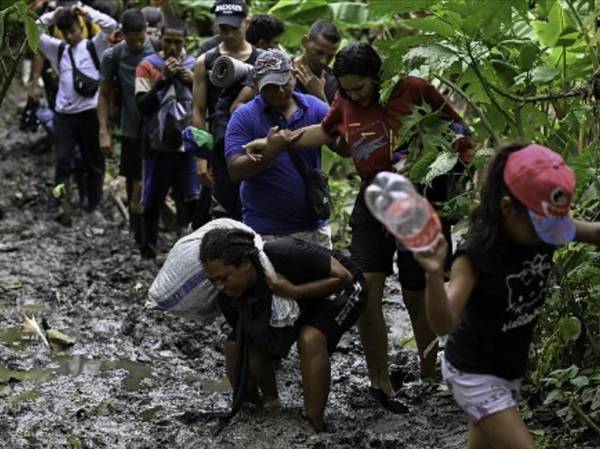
{"x": 393, "y": 200}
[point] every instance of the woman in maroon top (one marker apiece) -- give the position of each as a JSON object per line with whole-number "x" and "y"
{"x": 366, "y": 129}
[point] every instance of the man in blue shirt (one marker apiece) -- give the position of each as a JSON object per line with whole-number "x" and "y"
{"x": 273, "y": 192}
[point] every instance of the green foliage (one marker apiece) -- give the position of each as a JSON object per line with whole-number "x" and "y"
{"x": 517, "y": 65}
{"x": 17, "y": 30}
{"x": 18, "y": 12}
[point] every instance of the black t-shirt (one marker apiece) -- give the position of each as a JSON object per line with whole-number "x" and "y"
{"x": 331, "y": 86}
{"x": 303, "y": 262}
{"x": 495, "y": 329}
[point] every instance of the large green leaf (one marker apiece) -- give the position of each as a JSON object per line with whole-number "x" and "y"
{"x": 558, "y": 22}
{"x": 430, "y": 58}
{"x": 292, "y": 36}
{"x": 301, "y": 11}
{"x": 421, "y": 166}
{"x": 350, "y": 14}
{"x": 580, "y": 381}
{"x": 431, "y": 24}
{"x": 386, "y": 8}
{"x": 542, "y": 75}
{"x": 487, "y": 17}
{"x": 32, "y": 33}
{"x": 442, "y": 165}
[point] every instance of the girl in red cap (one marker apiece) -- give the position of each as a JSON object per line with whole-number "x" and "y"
{"x": 499, "y": 280}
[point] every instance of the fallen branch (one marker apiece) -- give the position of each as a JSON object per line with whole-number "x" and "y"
{"x": 476, "y": 108}
{"x": 112, "y": 183}
{"x": 486, "y": 88}
{"x": 8, "y": 77}
{"x": 592, "y": 425}
{"x": 120, "y": 205}
{"x": 579, "y": 91}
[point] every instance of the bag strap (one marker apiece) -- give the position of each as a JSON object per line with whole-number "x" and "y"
{"x": 91, "y": 48}
{"x": 117, "y": 53}
{"x": 296, "y": 160}
{"x": 61, "y": 50}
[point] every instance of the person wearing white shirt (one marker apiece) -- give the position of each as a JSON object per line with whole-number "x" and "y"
{"x": 76, "y": 121}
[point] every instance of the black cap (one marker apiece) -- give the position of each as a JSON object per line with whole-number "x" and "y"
{"x": 230, "y": 12}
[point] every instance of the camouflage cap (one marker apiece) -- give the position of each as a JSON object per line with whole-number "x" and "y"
{"x": 272, "y": 67}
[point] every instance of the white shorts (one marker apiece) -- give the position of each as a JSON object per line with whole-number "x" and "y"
{"x": 320, "y": 236}
{"x": 480, "y": 395}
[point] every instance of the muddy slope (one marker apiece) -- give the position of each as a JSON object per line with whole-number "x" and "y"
{"x": 131, "y": 373}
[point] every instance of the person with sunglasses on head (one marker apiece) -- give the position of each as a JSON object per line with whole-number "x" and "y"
{"x": 212, "y": 105}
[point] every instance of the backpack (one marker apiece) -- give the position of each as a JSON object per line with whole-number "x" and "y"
{"x": 115, "y": 99}
{"x": 174, "y": 113}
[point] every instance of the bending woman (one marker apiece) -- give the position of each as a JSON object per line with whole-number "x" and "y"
{"x": 329, "y": 290}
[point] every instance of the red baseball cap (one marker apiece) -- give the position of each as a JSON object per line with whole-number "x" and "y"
{"x": 541, "y": 180}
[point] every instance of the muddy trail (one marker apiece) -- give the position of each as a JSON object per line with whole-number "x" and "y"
{"x": 132, "y": 373}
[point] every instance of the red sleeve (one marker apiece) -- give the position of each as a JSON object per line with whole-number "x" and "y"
{"x": 332, "y": 123}
{"x": 144, "y": 77}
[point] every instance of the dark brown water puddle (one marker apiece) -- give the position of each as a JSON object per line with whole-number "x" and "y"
{"x": 62, "y": 364}
{"x": 76, "y": 365}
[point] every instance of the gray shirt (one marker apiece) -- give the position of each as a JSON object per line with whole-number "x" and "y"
{"x": 131, "y": 117}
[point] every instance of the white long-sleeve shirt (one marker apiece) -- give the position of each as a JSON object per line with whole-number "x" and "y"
{"x": 68, "y": 101}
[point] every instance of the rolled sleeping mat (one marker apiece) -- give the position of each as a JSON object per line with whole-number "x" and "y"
{"x": 227, "y": 71}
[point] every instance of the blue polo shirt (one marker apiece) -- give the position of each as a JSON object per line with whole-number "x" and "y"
{"x": 274, "y": 201}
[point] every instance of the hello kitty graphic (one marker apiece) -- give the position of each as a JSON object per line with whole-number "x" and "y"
{"x": 526, "y": 291}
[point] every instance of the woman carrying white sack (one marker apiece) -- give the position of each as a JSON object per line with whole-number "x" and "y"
{"x": 272, "y": 295}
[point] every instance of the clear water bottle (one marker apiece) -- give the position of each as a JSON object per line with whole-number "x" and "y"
{"x": 393, "y": 200}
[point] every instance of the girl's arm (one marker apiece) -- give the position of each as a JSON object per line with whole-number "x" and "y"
{"x": 587, "y": 232}
{"x": 445, "y": 304}
{"x": 339, "y": 277}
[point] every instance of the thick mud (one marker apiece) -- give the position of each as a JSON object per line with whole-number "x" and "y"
{"x": 132, "y": 373}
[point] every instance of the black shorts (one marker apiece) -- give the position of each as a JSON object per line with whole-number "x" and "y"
{"x": 131, "y": 158}
{"x": 335, "y": 315}
{"x": 332, "y": 316}
{"x": 373, "y": 248}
